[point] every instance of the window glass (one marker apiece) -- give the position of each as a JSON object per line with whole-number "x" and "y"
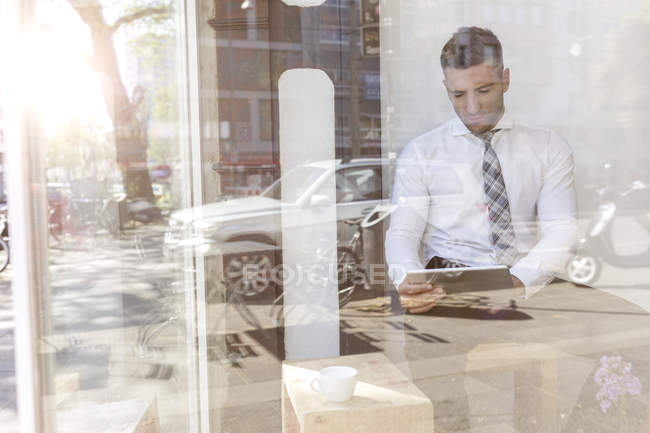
{"x": 302, "y": 178}
{"x": 243, "y": 193}
{"x": 358, "y": 184}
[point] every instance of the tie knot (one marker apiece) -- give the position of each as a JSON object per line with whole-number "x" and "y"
{"x": 486, "y": 137}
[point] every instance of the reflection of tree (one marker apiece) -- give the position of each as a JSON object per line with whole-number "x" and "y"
{"x": 83, "y": 149}
{"x": 156, "y": 62}
{"x": 128, "y": 113}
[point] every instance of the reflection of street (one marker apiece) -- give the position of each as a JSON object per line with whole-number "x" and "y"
{"x": 8, "y": 416}
{"x": 109, "y": 296}
{"x": 122, "y": 331}
{"x": 632, "y": 284}
{"x": 103, "y": 291}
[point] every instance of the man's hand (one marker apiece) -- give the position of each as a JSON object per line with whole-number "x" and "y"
{"x": 419, "y": 297}
{"x": 518, "y": 285}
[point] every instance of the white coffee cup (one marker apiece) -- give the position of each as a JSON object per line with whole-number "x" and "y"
{"x": 335, "y": 383}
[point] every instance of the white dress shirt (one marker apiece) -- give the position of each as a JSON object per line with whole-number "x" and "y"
{"x": 442, "y": 210}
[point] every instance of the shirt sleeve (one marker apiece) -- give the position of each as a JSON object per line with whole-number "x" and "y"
{"x": 408, "y": 221}
{"x": 556, "y": 214}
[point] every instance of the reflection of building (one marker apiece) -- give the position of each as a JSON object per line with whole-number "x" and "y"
{"x": 254, "y": 47}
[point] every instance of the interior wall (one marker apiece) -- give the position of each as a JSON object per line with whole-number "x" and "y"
{"x": 577, "y": 67}
{"x": 565, "y": 61}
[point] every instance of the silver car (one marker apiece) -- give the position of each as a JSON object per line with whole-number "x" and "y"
{"x": 247, "y": 231}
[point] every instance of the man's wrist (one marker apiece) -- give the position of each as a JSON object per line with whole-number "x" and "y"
{"x": 519, "y": 287}
{"x": 516, "y": 282}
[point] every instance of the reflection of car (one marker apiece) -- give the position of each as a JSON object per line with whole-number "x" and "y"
{"x": 256, "y": 220}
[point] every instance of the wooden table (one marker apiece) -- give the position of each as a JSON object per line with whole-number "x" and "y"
{"x": 129, "y": 416}
{"x": 384, "y": 400}
{"x": 537, "y": 368}
{"x": 528, "y": 369}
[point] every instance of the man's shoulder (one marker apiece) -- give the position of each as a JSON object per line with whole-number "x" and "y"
{"x": 541, "y": 135}
{"x": 529, "y": 128}
{"x": 524, "y": 126}
{"x": 431, "y": 137}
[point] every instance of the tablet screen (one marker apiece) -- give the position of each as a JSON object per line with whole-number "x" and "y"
{"x": 468, "y": 279}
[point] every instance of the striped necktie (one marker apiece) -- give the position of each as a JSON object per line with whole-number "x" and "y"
{"x": 503, "y": 234}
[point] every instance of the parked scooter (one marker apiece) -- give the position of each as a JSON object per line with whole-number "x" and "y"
{"x": 598, "y": 245}
{"x": 139, "y": 210}
{"x": 143, "y": 211}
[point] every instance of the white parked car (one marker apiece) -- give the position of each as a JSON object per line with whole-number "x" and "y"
{"x": 248, "y": 230}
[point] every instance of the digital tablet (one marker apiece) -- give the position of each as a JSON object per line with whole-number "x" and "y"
{"x": 465, "y": 279}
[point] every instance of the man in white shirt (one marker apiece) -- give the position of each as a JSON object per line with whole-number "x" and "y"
{"x": 482, "y": 188}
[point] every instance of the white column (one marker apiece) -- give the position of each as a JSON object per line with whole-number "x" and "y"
{"x": 306, "y": 102}
{"x": 28, "y": 214}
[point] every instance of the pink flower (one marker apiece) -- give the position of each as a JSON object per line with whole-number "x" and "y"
{"x": 615, "y": 379}
{"x": 604, "y": 405}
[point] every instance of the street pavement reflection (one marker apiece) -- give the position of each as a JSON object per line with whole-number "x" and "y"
{"x": 118, "y": 322}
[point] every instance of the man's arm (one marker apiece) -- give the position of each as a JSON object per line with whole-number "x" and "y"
{"x": 556, "y": 214}
{"x": 404, "y": 236}
{"x": 408, "y": 221}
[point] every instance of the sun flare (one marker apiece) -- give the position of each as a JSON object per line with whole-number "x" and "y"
{"x": 65, "y": 84}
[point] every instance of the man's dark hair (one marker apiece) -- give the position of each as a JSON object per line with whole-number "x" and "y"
{"x": 471, "y": 46}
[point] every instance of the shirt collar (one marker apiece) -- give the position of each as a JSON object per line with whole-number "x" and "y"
{"x": 458, "y": 128}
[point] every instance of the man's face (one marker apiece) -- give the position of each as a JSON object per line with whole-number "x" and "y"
{"x": 476, "y": 94}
